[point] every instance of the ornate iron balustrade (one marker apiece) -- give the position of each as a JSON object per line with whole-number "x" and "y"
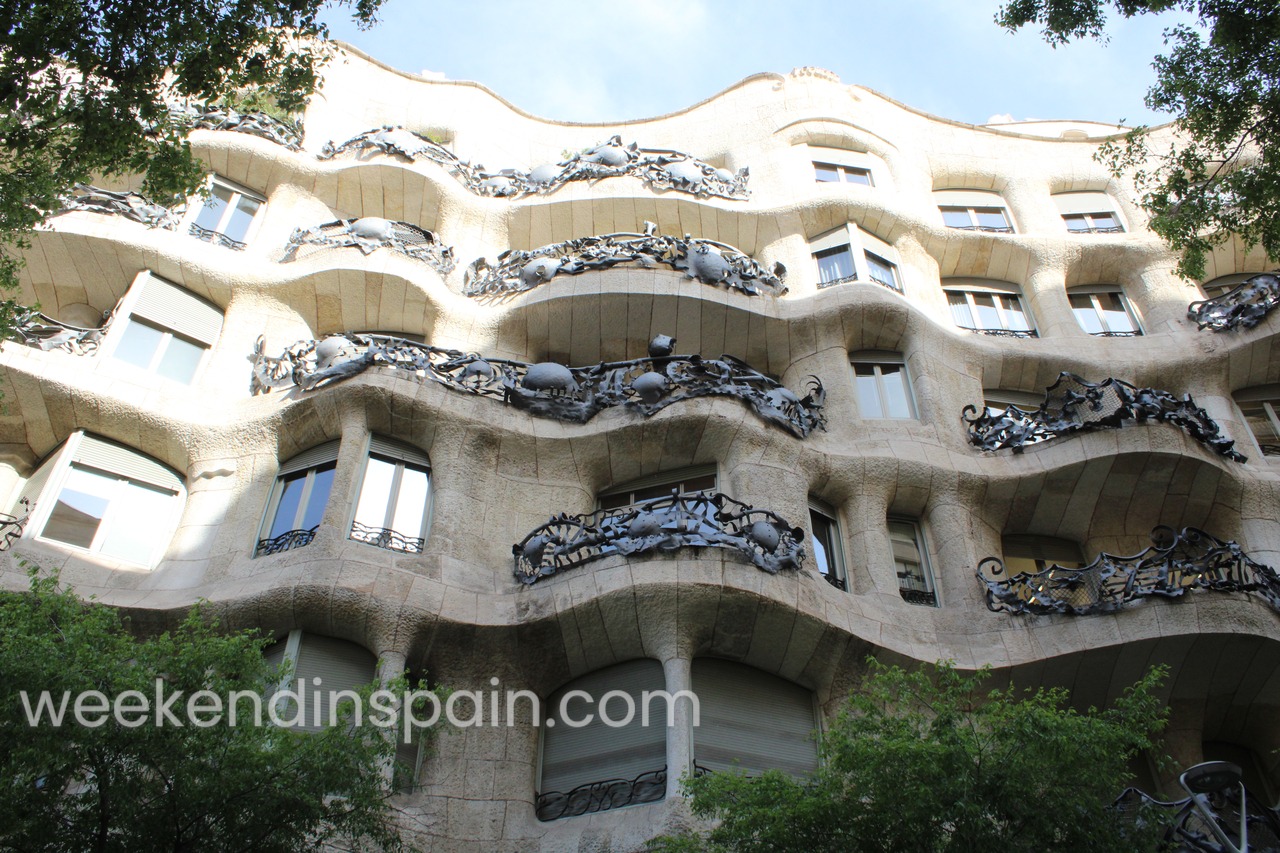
{"x": 707, "y": 261}
{"x": 648, "y": 787}
{"x": 926, "y": 597}
{"x": 1004, "y": 333}
{"x": 661, "y": 169}
{"x": 285, "y": 541}
{"x": 385, "y": 537}
{"x": 39, "y": 330}
{"x": 217, "y": 238}
{"x": 1187, "y": 829}
{"x": 844, "y": 279}
{"x": 988, "y": 229}
{"x": 254, "y": 123}
{"x": 547, "y": 389}
{"x": 1176, "y": 562}
{"x": 1131, "y": 333}
{"x": 130, "y": 205}
{"x": 1242, "y": 307}
{"x": 11, "y": 526}
{"x": 1098, "y": 229}
{"x": 693, "y": 520}
{"x": 371, "y": 233}
{"x": 1073, "y": 405}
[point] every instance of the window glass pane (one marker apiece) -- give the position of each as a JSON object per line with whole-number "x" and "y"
{"x": 882, "y": 270}
{"x": 1104, "y": 220}
{"x": 1086, "y": 316}
{"x": 1076, "y": 222}
{"x": 138, "y": 343}
{"x": 136, "y": 515}
{"x": 411, "y": 503}
{"x": 857, "y": 176}
{"x": 894, "y": 382}
{"x": 375, "y": 494}
{"x": 81, "y": 505}
{"x": 960, "y": 310}
{"x": 181, "y": 358}
{"x": 1114, "y": 313}
{"x": 238, "y": 226}
{"x": 991, "y": 217}
{"x": 988, "y": 316}
{"x": 823, "y": 551}
{"x": 956, "y": 217}
{"x": 834, "y": 264}
{"x": 322, "y": 483}
{"x": 826, "y": 172}
{"x": 1015, "y": 317}
{"x": 705, "y": 483}
{"x": 214, "y": 207}
{"x": 287, "y": 509}
{"x": 868, "y": 394}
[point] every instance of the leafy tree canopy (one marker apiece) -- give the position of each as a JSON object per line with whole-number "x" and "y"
{"x": 1220, "y": 174}
{"x": 149, "y": 787}
{"x": 86, "y": 86}
{"x": 927, "y": 761}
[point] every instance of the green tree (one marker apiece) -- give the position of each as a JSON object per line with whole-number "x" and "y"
{"x": 927, "y": 761}
{"x": 86, "y": 87}
{"x": 1218, "y": 173}
{"x": 139, "y": 786}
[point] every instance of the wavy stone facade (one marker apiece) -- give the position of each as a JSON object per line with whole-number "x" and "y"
{"x": 908, "y": 506}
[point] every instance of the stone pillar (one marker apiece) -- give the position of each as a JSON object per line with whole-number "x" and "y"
{"x": 676, "y": 673}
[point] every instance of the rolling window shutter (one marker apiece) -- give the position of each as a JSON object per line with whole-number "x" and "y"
{"x": 1093, "y": 202}
{"x": 317, "y": 455}
{"x": 678, "y": 476}
{"x": 833, "y": 239}
{"x": 1047, "y": 548}
{"x": 398, "y": 450}
{"x": 598, "y": 752}
{"x": 179, "y": 310}
{"x": 752, "y": 721}
{"x": 872, "y": 243}
{"x": 113, "y": 458}
{"x": 338, "y": 664}
{"x": 967, "y": 198}
{"x": 839, "y": 156}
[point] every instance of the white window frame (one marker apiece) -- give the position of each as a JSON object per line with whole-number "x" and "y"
{"x": 845, "y": 161}
{"x": 1001, "y": 293}
{"x": 400, "y": 455}
{"x": 877, "y": 359}
{"x": 844, "y": 174}
{"x": 1086, "y": 207}
{"x": 676, "y": 478}
{"x": 862, "y": 246}
{"x": 131, "y": 310}
{"x": 1093, "y": 291}
{"x": 970, "y": 202}
{"x": 930, "y": 586}
{"x": 1266, "y": 399}
{"x": 49, "y": 486}
{"x": 311, "y": 461}
{"x": 237, "y": 191}
{"x": 837, "y": 574}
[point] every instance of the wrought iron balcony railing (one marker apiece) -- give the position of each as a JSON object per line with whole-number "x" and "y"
{"x": 259, "y": 124}
{"x": 217, "y": 238}
{"x": 844, "y": 279}
{"x": 659, "y": 168}
{"x": 708, "y": 261}
{"x": 1130, "y": 333}
{"x": 11, "y": 526}
{"x": 1073, "y": 405}
{"x": 988, "y": 229}
{"x": 1176, "y": 563}
{"x": 648, "y": 787}
{"x": 693, "y": 520}
{"x": 286, "y": 541}
{"x": 372, "y": 233}
{"x": 1098, "y": 229}
{"x": 1187, "y": 829}
{"x": 1242, "y": 307}
{"x": 130, "y": 205}
{"x": 42, "y": 332}
{"x": 548, "y": 389}
{"x": 1004, "y": 333}
{"x": 385, "y": 537}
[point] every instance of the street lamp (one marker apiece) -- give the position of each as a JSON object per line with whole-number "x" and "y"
{"x": 1212, "y": 777}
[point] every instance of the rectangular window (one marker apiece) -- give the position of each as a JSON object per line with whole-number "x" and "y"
{"x": 298, "y": 500}
{"x": 394, "y": 499}
{"x": 883, "y": 390}
{"x": 1104, "y": 313}
{"x": 835, "y": 173}
{"x": 700, "y": 479}
{"x": 827, "y": 555}
{"x": 227, "y": 215}
{"x": 910, "y": 560}
{"x": 991, "y": 219}
{"x": 1264, "y": 421}
{"x": 167, "y": 331}
{"x": 990, "y": 312}
{"x": 883, "y": 271}
{"x": 1099, "y": 222}
{"x": 834, "y": 266}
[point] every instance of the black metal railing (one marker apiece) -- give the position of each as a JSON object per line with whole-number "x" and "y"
{"x": 1176, "y": 563}
{"x": 989, "y": 229}
{"x": 1242, "y": 307}
{"x": 372, "y": 233}
{"x": 836, "y": 581}
{"x": 1131, "y": 333}
{"x": 385, "y": 537}
{"x": 648, "y": 787}
{"x": 11, "y": 526}
{"x": 1098, "y": 229}
{"x": 217, "y": 238}
{"x": 1004, "y": 333}
{"x": 285, "y": 541}
{"x": 844, "y": 279}
{"x": 1187, "y": 828}
{"x": 917, "y": 595}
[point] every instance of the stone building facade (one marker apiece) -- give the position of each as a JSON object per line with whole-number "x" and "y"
{"x": 326, "y": 399}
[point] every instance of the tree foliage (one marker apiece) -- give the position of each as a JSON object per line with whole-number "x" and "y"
{"x": 926, "y": 761}
{"x": 1218, "y": 175}
{"x": 166, "y": 787}
{"x": 86, "y": 87}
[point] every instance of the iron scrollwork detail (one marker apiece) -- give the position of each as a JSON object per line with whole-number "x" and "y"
{"x": 1188, "y": 829}
{"x": 128, "y": 204}
{"x": 40, "y": 331}
{"x": 708, "y": 261}
{"x": 1242, "y": 307}
{"x": 385, "y": 537}
{"x": 547, "y": 389}
{"x": 1073, "y": 405}
{"x": 286, "y": 541}
{"x": 284, "y": 133}
{"x": 661, "y": 169}
{"x": 371, "y": 233}
{"x": 11, "y": 526}
{"x": 648, "y": 787}
{"x": 696, "y": 519}
{"x": 1176, "y": 562}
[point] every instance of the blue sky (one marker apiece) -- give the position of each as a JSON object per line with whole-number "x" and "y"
{"x": 602, "y": 61}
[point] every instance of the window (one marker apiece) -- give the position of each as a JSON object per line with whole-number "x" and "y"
{"x": 989, "y": 309}
{"x": 1104, "y": 312}
{"x": 973, "y": 210}
{"x": 835, "y": 173}
{"x": 848, "y": 254}
{"x": 828, "y": 556}
{"x": 577, "y": 758}
{"x": 701, "y": 478}
{"x": 227, "y": 216}
{"x": 298, "y": 500}
{"x": 835, "y": 266}
{"x": 166, "y": 330}
{"x": 883, "y": 271}
{"x": 751, "y": 721}
{"x": 911, "y": 562}
{"x": 395, "y": 496}
{"x": 1025, "y": 553}
{"x": 1224, "y": 284}
{"x": 323, "y": 669}
{"x": 1261, "y": 410}
{"x": 882, "y": 387}
{"x": 106, "y": 499}
{"x": 997, "y": 403}
{"x": 1088, "y": 212}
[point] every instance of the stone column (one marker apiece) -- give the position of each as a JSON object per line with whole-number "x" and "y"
{"x": 676, "y": 673}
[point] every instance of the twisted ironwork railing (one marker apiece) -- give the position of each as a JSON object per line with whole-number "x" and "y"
{"x": 130, "y": 205}
{"x": 372, "y": 233}
{"x": 660, "y": 168}
{"x": 844, "y": 279}
{"x": 1073, "y": 405}
{"x": 217, "y": 238}
{"x": 1187, "y": 830}
{"x": 1176, "y": 562}
{"x": 286, "y": 541}
{"x": 648, "y": 787}
{"x": 987, "y": 229}
{"x": 1242, "y": 307}
{"x": 708, "y": 261}
{"x": 696, "y": 519}
{"x": 550, "y": 390}
{"x": 1004, "y": 333}
{"x": 254, "y": 123}
{"x": 40, "y": 331}
{"x": 385, "y": 537}
{"x": 11, "y": 526}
